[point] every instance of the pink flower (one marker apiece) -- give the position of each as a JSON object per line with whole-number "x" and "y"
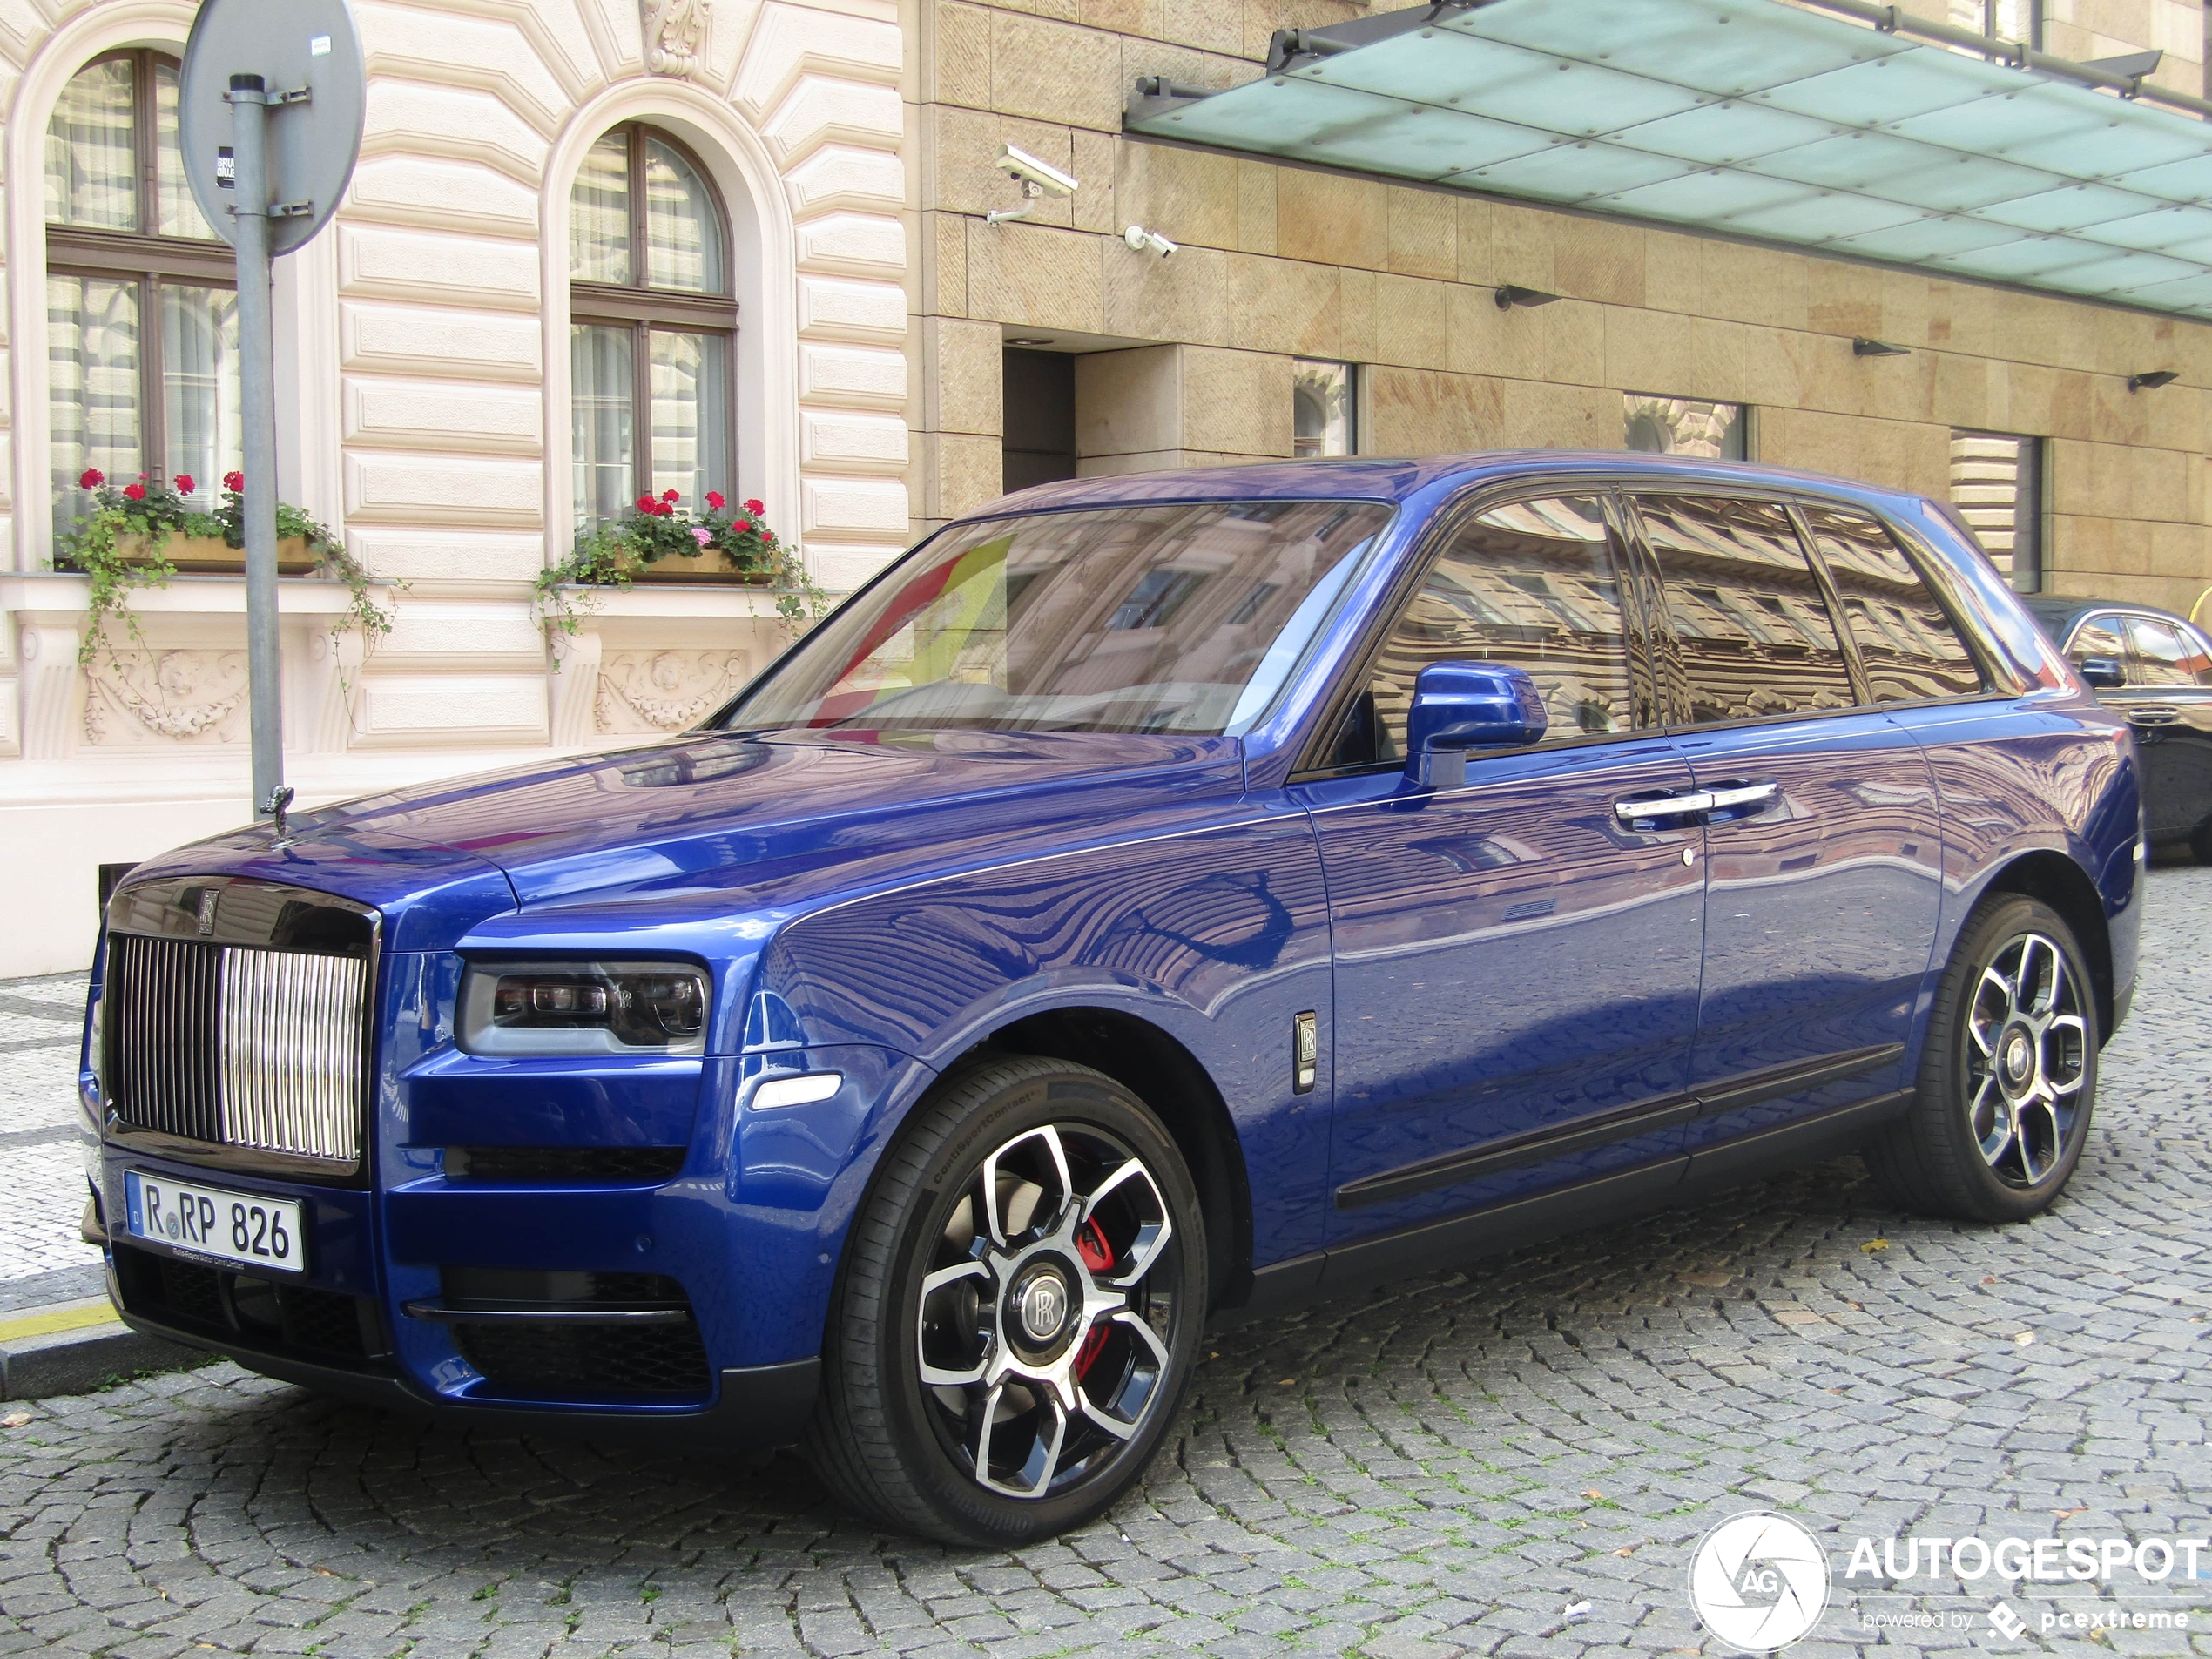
{"x": 755, "y": 508}
{"x": 91, "y": 478}
{"x": 703, "y": 535}
{"x": 184, "y": 483}
{"x": 134, "y": 492}
{"x": 714, "y": 501}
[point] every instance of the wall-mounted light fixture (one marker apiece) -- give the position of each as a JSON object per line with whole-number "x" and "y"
{"x": 1509, "y": 296}
{"x": 1028, "y": 340}
{"x": 2152, "y": 382}
{"x": 1863, "y": 347}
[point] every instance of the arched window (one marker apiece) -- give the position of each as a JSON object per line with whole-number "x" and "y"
{"x": 652, "y": 324}
{"x": 141, "y": 297}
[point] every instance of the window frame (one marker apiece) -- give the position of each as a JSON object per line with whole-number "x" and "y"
{"x": 645, "y": 310}
{"x": 153, "y": 259}
{"x": 1673, "y": 709}
{"x": 1437, "y": 538}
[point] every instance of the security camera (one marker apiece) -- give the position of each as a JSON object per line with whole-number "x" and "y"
{"x": 1037, "y": 178}
{"x": 1139, "y": 239}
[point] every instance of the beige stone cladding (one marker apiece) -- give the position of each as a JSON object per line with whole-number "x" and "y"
{"x": 1279, "y": 260}
{"x": 423, "y": 347}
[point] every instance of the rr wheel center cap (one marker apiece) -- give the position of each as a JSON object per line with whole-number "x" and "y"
{"x": 1040, "y": 1304}
{"x": 2020, "y": 1059}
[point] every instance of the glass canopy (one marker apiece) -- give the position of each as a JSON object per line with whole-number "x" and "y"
{"x": 1754, "y": 118}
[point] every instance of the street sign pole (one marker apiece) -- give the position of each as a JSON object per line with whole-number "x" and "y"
{"x": 270, "y": 103}
{"x": 248, "y": 100}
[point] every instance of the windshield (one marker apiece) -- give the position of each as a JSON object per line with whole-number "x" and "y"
{"x": 1182, "y": 619}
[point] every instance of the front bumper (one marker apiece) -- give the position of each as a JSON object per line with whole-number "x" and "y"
{"x": 753, "y": 1408}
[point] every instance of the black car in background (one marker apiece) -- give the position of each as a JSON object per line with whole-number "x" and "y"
{"x": 2156, "y": 669}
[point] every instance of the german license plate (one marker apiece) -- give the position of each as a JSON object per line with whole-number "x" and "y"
{"x": 242, "y": 1227}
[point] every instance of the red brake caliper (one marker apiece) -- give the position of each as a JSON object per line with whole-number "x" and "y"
{"x": 1098, "y": 1256}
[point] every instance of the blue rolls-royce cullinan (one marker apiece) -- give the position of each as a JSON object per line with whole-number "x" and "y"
{"x": 1156, "y": 899}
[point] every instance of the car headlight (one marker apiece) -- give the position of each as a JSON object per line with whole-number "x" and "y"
{"x": 583, "y": 1008}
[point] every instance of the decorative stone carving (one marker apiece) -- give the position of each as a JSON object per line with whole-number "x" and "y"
{"x": 675, "y": 35}
{"x": 182, "y": 696}
{"x": 664, "y": 691}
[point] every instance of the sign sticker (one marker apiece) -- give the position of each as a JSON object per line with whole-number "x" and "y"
{"x": 319, "y": 46}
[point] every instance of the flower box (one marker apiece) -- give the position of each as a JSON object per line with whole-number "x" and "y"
{"x": 205, "y": 553}
{"x": 705, "y": 565}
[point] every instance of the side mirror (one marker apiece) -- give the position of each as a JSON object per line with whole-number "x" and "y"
{"x": 1459, "y": 706}
{"x": 2102, "y": 673}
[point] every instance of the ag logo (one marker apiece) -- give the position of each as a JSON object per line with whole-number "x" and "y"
{"x": 1759, "y": 1581}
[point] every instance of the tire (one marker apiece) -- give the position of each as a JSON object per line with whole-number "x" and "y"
{"x": 963, "y": 1339}
{"x": 2201, "y": 842}
{"x": 2008, "y": 1074}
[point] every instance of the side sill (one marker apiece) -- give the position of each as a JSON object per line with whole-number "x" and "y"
{"x": 1640, "y": 1117}
{"x": 1411, "y": 1251}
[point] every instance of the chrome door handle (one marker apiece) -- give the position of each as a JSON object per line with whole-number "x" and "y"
{"x": 1744, "y": 795}
{"x": 2153, "y": 714}
{"x": 1664, "y": 806}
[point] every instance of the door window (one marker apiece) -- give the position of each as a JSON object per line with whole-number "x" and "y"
{"x": 2099, "y": 637}
{"x": 1906, "y": 643}
{"x": 1756, "y": 641}
{"x": 2164, "y": 656}
{"x": 1531, "y": 584}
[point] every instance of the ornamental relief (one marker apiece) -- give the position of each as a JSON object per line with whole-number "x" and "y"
{"x": 675, "y": 33}
{"x": 181, "y": 696}
{"x": 664, "y": 691}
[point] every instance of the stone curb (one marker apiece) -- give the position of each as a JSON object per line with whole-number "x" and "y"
{"x": 76, "y": 1347}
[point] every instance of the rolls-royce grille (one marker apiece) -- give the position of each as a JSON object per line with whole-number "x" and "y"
{"x": 237, "y": 1046}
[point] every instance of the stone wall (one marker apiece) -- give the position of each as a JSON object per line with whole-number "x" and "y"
{"x": 1278, "y": 260}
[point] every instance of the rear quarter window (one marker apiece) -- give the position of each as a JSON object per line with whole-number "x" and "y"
{"x": 1907, "y": 643}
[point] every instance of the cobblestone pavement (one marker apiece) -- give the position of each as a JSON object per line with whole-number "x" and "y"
{"x": 1518, "y": 1460}
{"x": 41, "y": 1258}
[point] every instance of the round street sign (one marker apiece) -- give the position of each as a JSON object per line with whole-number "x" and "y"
{"x": 293, "y": 45}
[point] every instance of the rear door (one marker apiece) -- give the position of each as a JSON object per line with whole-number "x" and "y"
{"x": 1820, "y": 897}
{"x": 1515, "y": 963}
{"x": 2169, "y": 701}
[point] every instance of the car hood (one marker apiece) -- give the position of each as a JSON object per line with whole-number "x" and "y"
{"x": 714, "y": 822}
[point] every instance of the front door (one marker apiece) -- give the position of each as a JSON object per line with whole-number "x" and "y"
{"x": 1822, "y": 849}
{"x": 1516, "y": 963}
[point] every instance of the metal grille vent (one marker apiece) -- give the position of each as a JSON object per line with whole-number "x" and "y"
{"x": 239, "y": 1047}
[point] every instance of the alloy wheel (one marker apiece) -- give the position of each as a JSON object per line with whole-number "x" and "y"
{"x": 2027, "y": 1058}
{"x": 1049, "y": 1312}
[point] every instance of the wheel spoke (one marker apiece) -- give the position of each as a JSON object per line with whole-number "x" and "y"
{"x": 1152, "y": 1235}
{"x": 1042, "y": 1461}
{"x": 994, "y": 1216}
{"x": 933, "y": 1374}
{"x": 1123, "y": 1427}
{"x": 2048, "y": 1004}
{"x": 2037, "y": 1162}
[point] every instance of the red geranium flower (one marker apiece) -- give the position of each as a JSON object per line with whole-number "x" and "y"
{"x": 755, "y": 508}
{"x": 742, "y": 526}
{"x": 91, "y": 478}
{"x": 184, "y": 483}
{"x": 134, "y": 492}
{"x": 671, "y": 496}
{"x": 235, "y": 482}
{"x": 713, "y": 501}
{"x": 644, "y": 503}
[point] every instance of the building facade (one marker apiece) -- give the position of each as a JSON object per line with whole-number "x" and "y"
{"x": 597, "y": 249}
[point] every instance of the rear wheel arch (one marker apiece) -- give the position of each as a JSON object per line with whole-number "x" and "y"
{"x": 2063, "y": 884}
